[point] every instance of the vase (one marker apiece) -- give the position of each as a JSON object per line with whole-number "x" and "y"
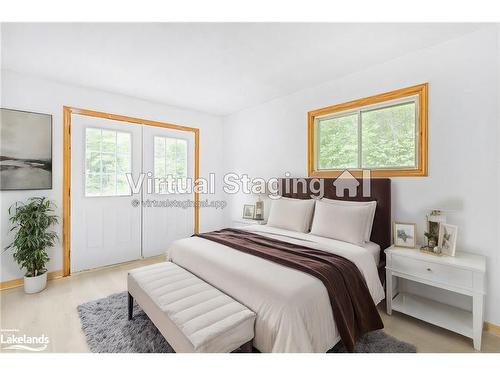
{"x": 35, "y": 284}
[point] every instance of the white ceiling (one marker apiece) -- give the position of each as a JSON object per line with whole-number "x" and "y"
{"x": 219, "y": 68}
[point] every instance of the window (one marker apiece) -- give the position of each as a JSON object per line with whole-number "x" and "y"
{"x": 107, "y": 161}
{"x": 386, "y": 134}
{"x": 170, "y": 163}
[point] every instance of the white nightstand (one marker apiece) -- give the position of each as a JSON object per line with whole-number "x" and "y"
{"x": 245, "y": 222}
{"x": 463, "y": 274}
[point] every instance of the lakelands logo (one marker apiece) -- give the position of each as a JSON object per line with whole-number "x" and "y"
{"x": 11, "y": 339}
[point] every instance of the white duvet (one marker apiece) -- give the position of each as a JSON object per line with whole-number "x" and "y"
{"x": 293, "y": 308}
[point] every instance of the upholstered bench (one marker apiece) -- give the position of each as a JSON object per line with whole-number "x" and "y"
{"x": 192, "y": 315}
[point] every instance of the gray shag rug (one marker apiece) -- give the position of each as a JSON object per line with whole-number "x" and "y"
{"x": 108, "y": 330}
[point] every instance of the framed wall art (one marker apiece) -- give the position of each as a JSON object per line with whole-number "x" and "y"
{"x": 25, "y": 150}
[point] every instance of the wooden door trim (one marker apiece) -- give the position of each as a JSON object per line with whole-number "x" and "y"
{"x": 67, "y": 112}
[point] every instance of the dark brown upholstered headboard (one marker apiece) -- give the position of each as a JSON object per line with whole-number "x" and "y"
{"x": 380, "y": 191}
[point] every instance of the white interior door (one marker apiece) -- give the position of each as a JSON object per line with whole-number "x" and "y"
{"x": 166, "y": 216}
{"x": 105, "y": 224}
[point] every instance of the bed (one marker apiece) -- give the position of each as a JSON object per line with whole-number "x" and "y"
{"x": 293, "y": 308}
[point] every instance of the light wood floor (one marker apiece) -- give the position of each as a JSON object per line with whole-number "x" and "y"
{"x": 53, "y": 313}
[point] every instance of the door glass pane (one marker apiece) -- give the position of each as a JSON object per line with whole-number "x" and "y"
{"x": 108, "y": 141}
{"x": 109, "y": 184}
{"x": 181, "y": 162}
{"x": 389, "y": 137}
{"x": 92, "y": 184}
{"x": 123, "y": 163}
{"x": 170, "y": 150}
{"x": 93, "y": 162}
{"x": 123, "y": 143}
{"x": 93, "y": 139}
{"x": 159, "y": 165}
{"x": 159, "y": 147}
{"x": 170, "y": 161}
{"x": 338, "y": 142}
{"x": 108, "y": 162}
{"x": 159, "y": 155}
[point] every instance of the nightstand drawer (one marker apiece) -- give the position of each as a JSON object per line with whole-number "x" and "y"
{"x": 432, "y": 271}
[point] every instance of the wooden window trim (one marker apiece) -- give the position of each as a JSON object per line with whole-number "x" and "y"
{"x": 422, "y": 160}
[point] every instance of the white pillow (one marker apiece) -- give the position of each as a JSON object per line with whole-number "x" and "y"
{"x": 341, "y": 222}
{"x": 371, "y": 204}
{"x": 291, "y": 214}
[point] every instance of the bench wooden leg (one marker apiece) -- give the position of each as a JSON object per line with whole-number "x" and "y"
{"x": 247, "y": 347}
{"x": 130, "y": 306}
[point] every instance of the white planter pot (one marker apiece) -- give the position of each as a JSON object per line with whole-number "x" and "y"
{"x": 35, "y": 284}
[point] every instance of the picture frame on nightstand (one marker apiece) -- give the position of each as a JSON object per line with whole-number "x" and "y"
{"x": 405, "y": 235}
{"x": 248, "y": 211}
{"x": 447, "y": 240}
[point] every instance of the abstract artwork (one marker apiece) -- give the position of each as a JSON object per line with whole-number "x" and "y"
{"x": 25, "y": 150}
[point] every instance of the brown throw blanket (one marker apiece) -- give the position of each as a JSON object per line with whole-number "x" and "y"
{"x": 353, "y": 308}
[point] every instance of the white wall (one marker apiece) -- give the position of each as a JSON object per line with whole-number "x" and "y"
{"x": 270, "y": 139}
{"x": 31, "y": 94}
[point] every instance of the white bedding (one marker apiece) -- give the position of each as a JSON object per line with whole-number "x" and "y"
{"x": 293, "y": 308}
{"x": 374, "y": 250}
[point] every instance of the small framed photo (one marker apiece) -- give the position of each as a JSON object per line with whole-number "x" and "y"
{"x": 405, "y": 234}
{"x": 248, "y": 211}
{"x": 447, "y": 240}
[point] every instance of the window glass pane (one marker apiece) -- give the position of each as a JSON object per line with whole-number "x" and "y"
{"x": 92, "y": 184}
{"x": 123, "y": 142}
{"x": 93, "y": 139}
{"x": 388, "y": 137}
{"x": 338, "y": 142}
{"x": 93, "y": 162}
{"x": 108, "y": 184}
{"x": 108, "y": 141}
{"x": 181, "y": 158}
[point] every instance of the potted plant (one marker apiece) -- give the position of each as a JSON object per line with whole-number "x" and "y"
{"x": 32, "y": 220}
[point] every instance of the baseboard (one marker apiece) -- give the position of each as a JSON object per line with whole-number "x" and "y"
{"x": 19, "y": 282}
{"x": 57, "y": 274}
{"x": 493, "y": 328}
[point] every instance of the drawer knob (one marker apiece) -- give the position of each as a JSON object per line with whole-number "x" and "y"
{"x": 428, "y": 269}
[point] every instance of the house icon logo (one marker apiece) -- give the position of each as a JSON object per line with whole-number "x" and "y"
{"x": 346, "y": 181}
